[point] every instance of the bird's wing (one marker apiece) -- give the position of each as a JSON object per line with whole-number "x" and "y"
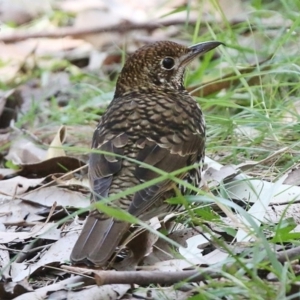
{"x": 166, "y": 156}
{"x": 102, "y": 166}
{"x": 101, "y": 234}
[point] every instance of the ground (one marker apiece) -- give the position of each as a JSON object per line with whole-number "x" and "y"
{"x": 238, "y": 238}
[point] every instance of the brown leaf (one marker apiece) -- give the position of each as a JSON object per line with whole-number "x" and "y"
{"x": 228, "y": 81}
{"x": 8, "y": 109}
{"x": 62, "y": 164}
{"x": 11, "y": 290}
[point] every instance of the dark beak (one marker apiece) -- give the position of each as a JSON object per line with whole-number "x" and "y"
{"x": 197, "y": 50}
{"x": 202, "y": 48}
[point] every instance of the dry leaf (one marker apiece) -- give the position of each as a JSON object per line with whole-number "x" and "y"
{"x": 42, "y": 292}
{"x": 18, "y": 185}
{"x": 56, "y": 165}
{"x": 47, "y": 231}
{"x": 162, "y": 293}
{"x": 10, "y": 290}
{"x": 55, "y": 148}
{"x": 293, "y": 177}
{"x": 46, "y": 196}
{"x": 4, "y": 261}
{"x": 104, "y": 292}
{"x": 22, "y": 11}
{"x": 24, "y": 151}
{"x": 58, "y": 253}
{"x": 19, "y": 212}
{"x": 215, "y": 176}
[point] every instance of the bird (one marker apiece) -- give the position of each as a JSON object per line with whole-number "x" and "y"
{"x": 154, "y": 120}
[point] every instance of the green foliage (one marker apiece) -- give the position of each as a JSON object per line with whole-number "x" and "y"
{"x": 267, "y": 108}
{"x": 283, "y": 232}
{"x": 10, "y": 165}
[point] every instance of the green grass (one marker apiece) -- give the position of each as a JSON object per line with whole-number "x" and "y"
{"x": 263, "y": 106}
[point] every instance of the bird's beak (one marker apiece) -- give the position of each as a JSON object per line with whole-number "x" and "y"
{"x": 199, "y": 49}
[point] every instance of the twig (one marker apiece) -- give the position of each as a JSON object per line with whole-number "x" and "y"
{"x": 77, "y": 32}
{"x": 53, "y": 207}
{"x": 288, "y": 255}
{"x": 153, "y": 277}
{"x": 146, "y": 277}
{"x": 27, "y": 133}
{"x": 120, "y": 28}
{"x": 157, "y": 277}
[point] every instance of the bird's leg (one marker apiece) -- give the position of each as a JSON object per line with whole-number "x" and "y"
{"x": 140, "y": 244}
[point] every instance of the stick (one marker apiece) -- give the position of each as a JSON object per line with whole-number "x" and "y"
{"x": 152, "y": 277}
{"x": 78, "y": 32}
{"x": 168, "y": 278}
{"x": 288, "y": 255}
{"x": 145, "y": 277}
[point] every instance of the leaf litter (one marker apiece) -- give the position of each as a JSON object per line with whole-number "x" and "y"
{"x": 48, "y": 183}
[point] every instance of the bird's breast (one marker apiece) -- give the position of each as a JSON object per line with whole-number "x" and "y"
{"x": 174, "y": 117}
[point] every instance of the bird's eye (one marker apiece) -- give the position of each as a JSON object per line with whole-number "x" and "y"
{"x": 168, "y": 63}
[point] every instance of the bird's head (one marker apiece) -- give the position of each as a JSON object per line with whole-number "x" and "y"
{"x": 159, "y": 65}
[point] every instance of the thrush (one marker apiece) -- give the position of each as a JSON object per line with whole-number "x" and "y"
{"x": 154, "y": 120}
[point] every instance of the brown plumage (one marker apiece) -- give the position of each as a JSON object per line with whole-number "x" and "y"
{"x": 153, "y": 119}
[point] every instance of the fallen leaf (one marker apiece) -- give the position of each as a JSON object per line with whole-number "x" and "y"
{"x": 11, "y": 290}
{"x": 162, "y": 293}
{"x": 251, "y": 189}
{"x": 215, "y": 176}
{"x": 46, "y": 196}
{"x": 39, "y": 230}
{"x": 58, "y": 253}
{"x": 18, "y": 185}
{"x": 18, "y": 212}
{"x": 56, "y": 165}
{"x": 293, "y": 177}
{"x": 22, "y": 11}
{"x": 24, "y": 151}
{"x": 8, "y": 109}
{"x": 55, "y": 148}
{"x": 104, "y": 292}
{"x": 4, "y": 261}
{"x": 275, "y": 213}
{"x": 41, "y": 293}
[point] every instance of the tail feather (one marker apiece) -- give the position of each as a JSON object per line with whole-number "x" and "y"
{"x": 98, "y": 240}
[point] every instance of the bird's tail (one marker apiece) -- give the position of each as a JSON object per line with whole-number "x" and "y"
{"x": 98, "y": 240}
